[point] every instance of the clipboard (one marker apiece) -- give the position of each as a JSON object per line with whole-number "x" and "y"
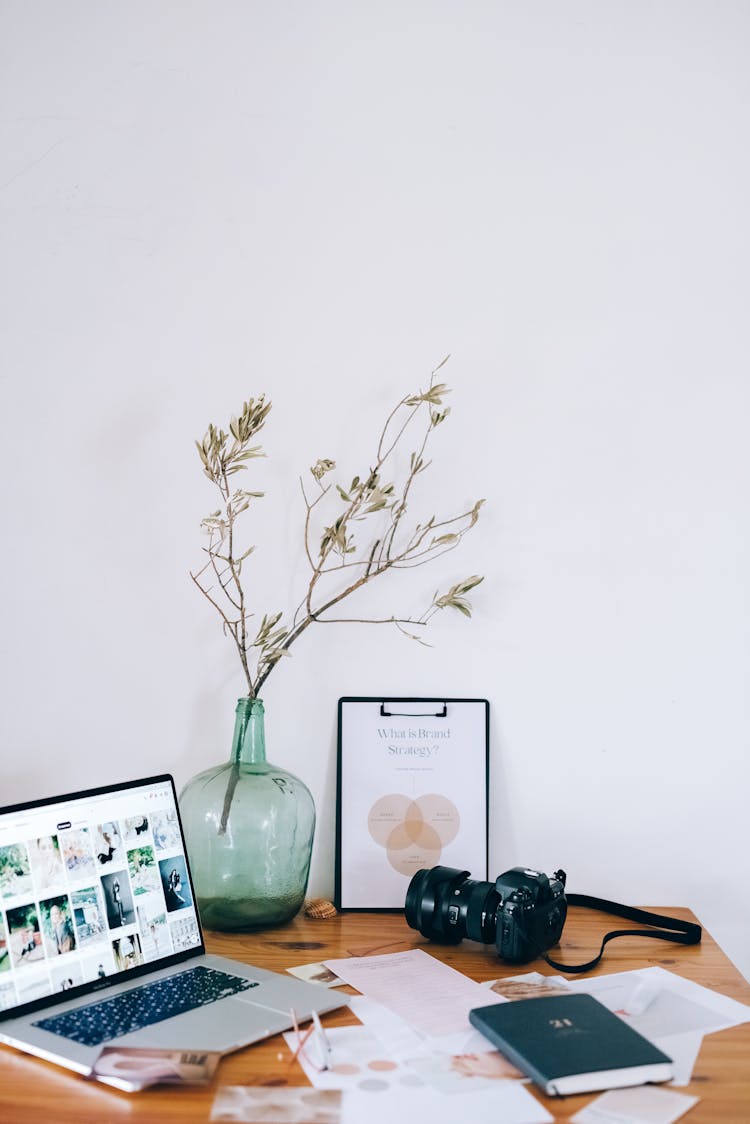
{"x": 412, "y": 793}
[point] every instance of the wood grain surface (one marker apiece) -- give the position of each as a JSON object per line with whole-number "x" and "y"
{"x": 32, "y": 1090}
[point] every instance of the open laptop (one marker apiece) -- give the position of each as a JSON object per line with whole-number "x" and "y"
{"x": 101, "y": 943}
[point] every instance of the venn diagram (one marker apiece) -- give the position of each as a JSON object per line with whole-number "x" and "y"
{"x": 413, "y": 831}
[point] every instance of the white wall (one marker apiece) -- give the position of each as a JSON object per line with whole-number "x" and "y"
{"x": 204, "y": 201}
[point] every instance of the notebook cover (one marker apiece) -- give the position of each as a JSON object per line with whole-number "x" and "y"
{"x": 571, "y": 1043}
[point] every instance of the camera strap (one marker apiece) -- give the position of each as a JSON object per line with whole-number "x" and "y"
{"x": 673, "y": 929}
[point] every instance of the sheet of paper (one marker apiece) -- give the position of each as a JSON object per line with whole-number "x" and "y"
{"x": 464, "y": 1073}
{"x": 683, "y": 1049}
{"x": 278, "y": 1105}
{"x": 405, "y": 1043}
{"x": 676, "y": 1007}
{"x": 645, "y": 1104}
{"x": 248, "y": 1104}
{"x": 432, "y": 997}
{"x": 509, "y": 1102}
{"x": 357, "y": 1060}
{"x": 395, "y": 1034}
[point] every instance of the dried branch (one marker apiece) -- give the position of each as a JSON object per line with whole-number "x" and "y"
{"x": 365, "y": 535}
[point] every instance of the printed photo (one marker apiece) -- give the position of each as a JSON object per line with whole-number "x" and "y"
{"x": 57, "y": 925}
{"x": 15, "y": 872}
{"x": 316, "y": 973}
{"x": 88, "y": 915}
{"x": 127, "y": 952}
{"x": 454, "y": 1074}
{"x": 24, "y": 935}
{"x": 152, "y": 922}
{"x": 46, "y": 863}
{"x": 143, "y": 873}
{"x": 531, "y": 987}
{"x": 118, "y": 900}
{"x": 166, "y": 831}
{"x": 175, "y": 883}
{"x": 78, "y": 853}
{"x": 135, "y": 827}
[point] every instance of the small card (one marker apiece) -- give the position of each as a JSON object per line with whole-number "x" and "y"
{"x": 317, "y": 973}
{"x": 644, "y": 1104}
{"x": 276, "y": 1105}
{"x": 136, "y": 1068}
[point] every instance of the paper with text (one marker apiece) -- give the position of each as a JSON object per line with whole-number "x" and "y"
{"x": 430, "y": 996}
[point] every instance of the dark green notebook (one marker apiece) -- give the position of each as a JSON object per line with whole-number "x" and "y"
{"x": 571, "y": 1044}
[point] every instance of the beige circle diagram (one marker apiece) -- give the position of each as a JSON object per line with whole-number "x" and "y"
{"x": 413, "y": 832}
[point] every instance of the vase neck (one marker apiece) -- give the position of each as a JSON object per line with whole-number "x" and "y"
{"x": 249, "y": 741}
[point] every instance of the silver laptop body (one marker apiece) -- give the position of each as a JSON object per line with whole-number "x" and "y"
{"x": 96, "y": 900}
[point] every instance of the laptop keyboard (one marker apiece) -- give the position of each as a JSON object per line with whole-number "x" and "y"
{"x": 143, "y": 1006}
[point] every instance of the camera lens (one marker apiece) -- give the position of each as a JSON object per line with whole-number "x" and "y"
{"x": 444, "y": 904}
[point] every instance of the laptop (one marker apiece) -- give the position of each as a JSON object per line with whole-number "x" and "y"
{"x": 101, "y": 943}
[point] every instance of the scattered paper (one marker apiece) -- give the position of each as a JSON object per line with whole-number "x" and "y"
{"x": 464, "y": 1073}
{"x": 316, "y": 973}
{"x": 135, "y": 1068}
{"x": 358, "y": 1060}
{"x": 404, "y": 1042}
{"x": 509, "y": 1102}
{"x": 672, "y": 1012}
{"x": 395, "y": 1033}
{"x": 356, "y": 1057}
{"x": 645, "y": 1104}
{"x": 683, "y": 1049}
{"x": 241, "y": 1104}
{"x": 431, "y": 996}
{"x": 278, "y": 1105}
{"x": 676, "y": 1005}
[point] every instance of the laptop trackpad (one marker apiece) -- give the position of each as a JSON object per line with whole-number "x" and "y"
{"x": 221, "y": 1026}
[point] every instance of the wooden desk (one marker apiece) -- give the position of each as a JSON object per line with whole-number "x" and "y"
{"x": 33, "y": 1090}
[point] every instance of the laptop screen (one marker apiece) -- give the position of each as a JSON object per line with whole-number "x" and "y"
{"x": 92, "y": 886}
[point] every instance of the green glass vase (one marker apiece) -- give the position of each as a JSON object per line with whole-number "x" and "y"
{"x": 249, "y": 828}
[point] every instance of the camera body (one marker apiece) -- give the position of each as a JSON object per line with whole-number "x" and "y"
{"x": 522, "y": 913}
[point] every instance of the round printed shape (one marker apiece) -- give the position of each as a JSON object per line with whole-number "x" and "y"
{"x": 373, "y": 1085}
{"x": 413, "y": 832}
{"x": 386, "y": 813}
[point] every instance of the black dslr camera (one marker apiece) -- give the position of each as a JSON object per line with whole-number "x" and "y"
{"x": 523, "y": 911}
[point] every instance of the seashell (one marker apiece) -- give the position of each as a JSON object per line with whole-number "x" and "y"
{"x": 320, "y": 909}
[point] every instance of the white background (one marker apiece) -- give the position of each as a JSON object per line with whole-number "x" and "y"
{"x": 204, "y": 201}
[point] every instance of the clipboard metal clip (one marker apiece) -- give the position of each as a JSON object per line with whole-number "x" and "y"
{"x": 413, "y": 714}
